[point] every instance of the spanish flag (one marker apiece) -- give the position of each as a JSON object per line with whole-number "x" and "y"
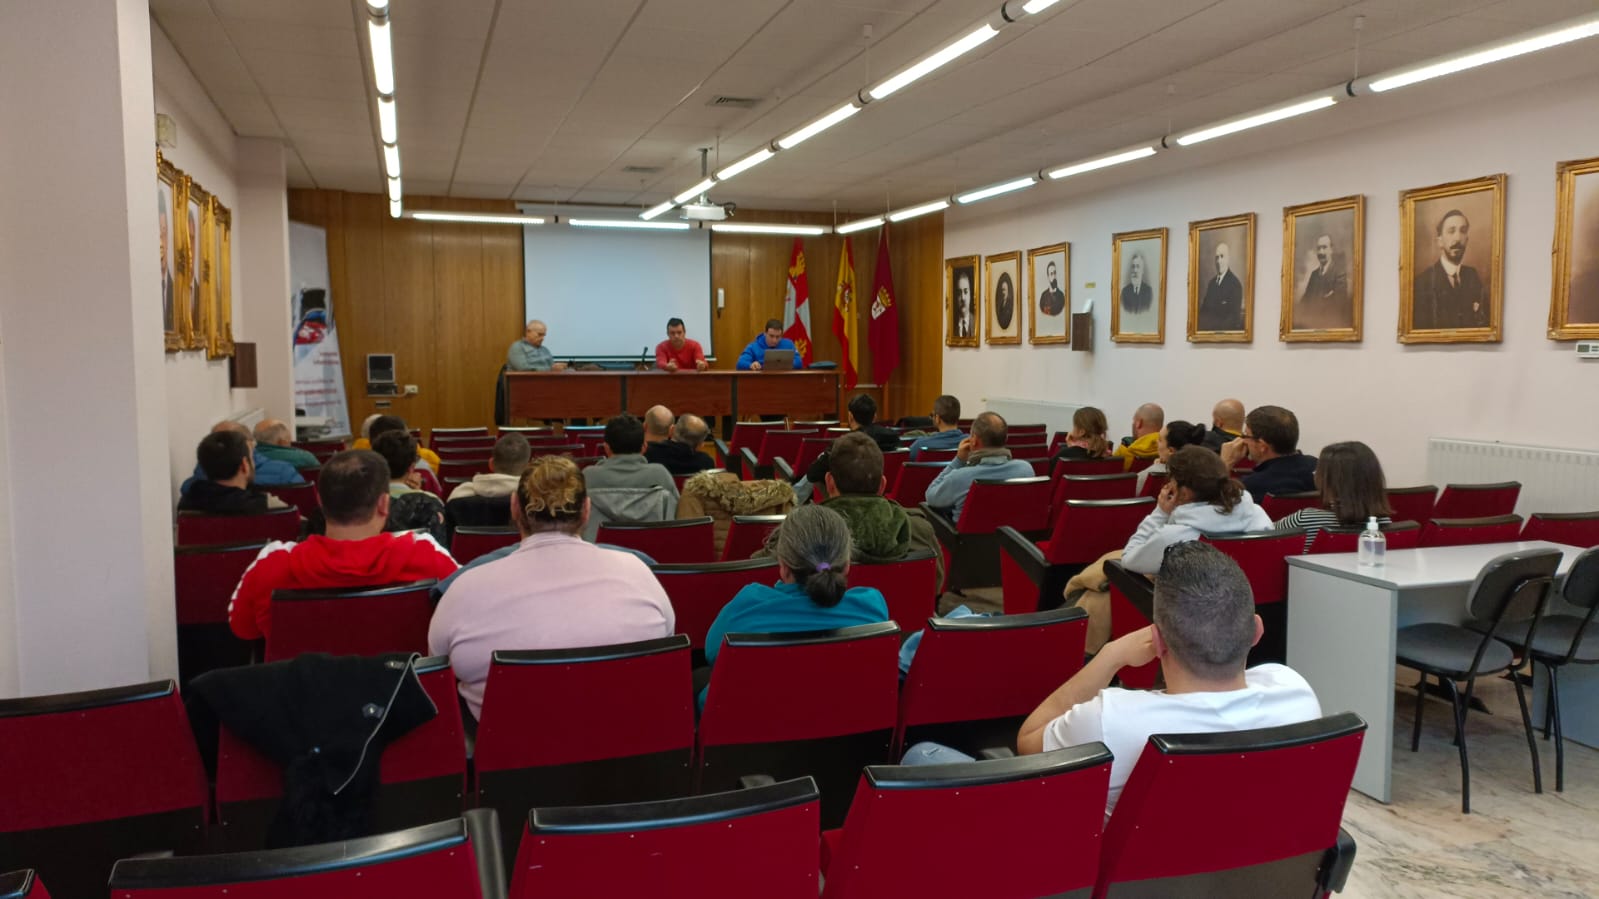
{"x": 844, "y": 314}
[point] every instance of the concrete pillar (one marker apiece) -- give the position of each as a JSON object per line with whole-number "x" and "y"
{"x": 261, "y": 233}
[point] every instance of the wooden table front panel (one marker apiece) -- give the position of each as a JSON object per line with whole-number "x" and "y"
{"x": 564, "y": 394}
{"x": 799, "y": 394}
{"x": 703, "y": 393}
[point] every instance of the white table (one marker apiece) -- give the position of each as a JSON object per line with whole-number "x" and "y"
{"x": 1342, "y": 626}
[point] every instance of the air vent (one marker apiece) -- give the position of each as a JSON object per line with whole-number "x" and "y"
{"x": 734, "y": 102}
{"x": 642, "y": 169}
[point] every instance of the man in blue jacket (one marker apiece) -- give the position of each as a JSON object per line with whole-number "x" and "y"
{"x": 269, "y": 472}
{"x": 754, "y": 355}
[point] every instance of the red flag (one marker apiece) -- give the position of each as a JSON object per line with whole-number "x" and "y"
{"x": 796, "y": 304}
{"x": 883, "y": 331}
{"x": 844, "y": 315}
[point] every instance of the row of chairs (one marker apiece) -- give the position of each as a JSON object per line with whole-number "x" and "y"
{"x": 1261, "y": 813}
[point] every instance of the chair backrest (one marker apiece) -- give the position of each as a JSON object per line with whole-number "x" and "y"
{"x": 1042, "y": 817}
{"x": 459, "y": 469}
{"x": 537, "y": 442}
{"x": 301, "y": 496}
{"x": 749, "y": 434}
{"x": 1066, "y": 467}
{"x": 681, "y": 479}
{"x": 759, "y": 841}
{"x": 1021, "y": 503}
{"x": 1263, "y": 556}
{"x": 893, "y": 461}
{"x": 698, "y": 592}
{"x": 363, "y": 621}
{"x": 683, "y": 541}
{"x": 1499, "y": 592}
{"x": 1467, "y": 531}
{"x": 909, "y": 586}
{"x": 910, "y": 488}
{"x": 322, "y": 449}
{"x": 477, "y": 512}
{"x": 778, "y": 442}
{"x": 1400, "y": 535}
{"x": 746, "y": 534}
{"x": 1572, "y": 529}
{"x": 810, "y": 447}
{"x": 458, "y": 858}
{"x": 87, "y": 778}
{"x": 205, "y": 578}
{"x": 23, "y": 884}
{"x": 1086, "y": 529}
{"x": 1411, "y": 503}
{"x": 469, "y": 543}
{"x": 529, "y": 432}
{"x": 1154, "y": 481}
{"x": 1281, "y": 505}
{"x": 200, "y": 529}
{"x": 1093, "y": 486}
{"x": 449, "y": 435}
{"x": 1477, "y": 500}
{"x": 310, "y": 473}
{"x": 566, "y": 448}
{"x": 1176, "y": 829}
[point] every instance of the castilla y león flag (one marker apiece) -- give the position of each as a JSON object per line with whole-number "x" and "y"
{"x": 797, "y": 303}
{"x": 844, "y": 315}
{"x": 883, "y": 331}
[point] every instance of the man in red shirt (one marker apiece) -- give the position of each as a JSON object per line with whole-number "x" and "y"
{"x": 354, "y": 490}
{"x": 677, "y": 352}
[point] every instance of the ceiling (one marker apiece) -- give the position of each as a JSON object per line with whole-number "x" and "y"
{"x": 553, "y": 101}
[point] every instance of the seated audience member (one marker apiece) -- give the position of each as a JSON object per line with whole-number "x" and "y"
{"x": 382, "y": 424}
{"x": 1352, "y": 488}
{"x": 551, "y": 591}
{"x": 265, "y": 470}
{"x": 981, "y": 456}
{"x": 1144, "y": 443}
{"x": 946, "y": 428}
{"x": 1204, "y": 626}
{"x": 509, "y": 460}
{"x": 1200, "y": 497}
{"x": 226, "y": 488}
{"x": 355, "y": 552}
{"x": 862, "y": 419}
{"x": 720, "y": 495}
{"x": 1226, "y": 424}
{"x": 1271, "y": 438}
{"x": 813, "y": 549}
{"x": 274, "y": 441}
{"x": 624, "y": 464}
{"x": 676, "y": 447}
{"x": 1087, "y": 439}
{"x": 410, "y": 507}
{"x": 1173, "y": 436}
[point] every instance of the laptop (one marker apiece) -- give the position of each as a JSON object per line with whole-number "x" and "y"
{"x": 778, "y": 360}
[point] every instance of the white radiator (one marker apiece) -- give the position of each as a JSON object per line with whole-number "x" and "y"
{"x": 1552, "y": 480}
{"x": 1058, "y": 416}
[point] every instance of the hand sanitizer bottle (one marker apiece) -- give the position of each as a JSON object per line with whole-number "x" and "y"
{"x": 1373, "y": 545}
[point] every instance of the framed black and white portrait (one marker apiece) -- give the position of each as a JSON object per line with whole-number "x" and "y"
{"x": 962, "y": 295}
{"x": 1221, "y": 279}
{"x": 1138, "y": 286}
{"x": 1002, "y": 277}
{"x": 1451, "y": 262}
{"x": 1324, "y": 247}
{"x": 1049, "y": 294}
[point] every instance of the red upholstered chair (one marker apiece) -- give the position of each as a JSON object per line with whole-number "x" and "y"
{"x": 1040, "y": 462}
{"x": 683, "y": 541}
{"x": 1154, "y": 481}
{"x": 810, "y": 447}
{"x": 302, "y": 497}
{"x": 1141, "y": 464}
{"x": 698, "y": 592}
{"x": 1042, "y": 817}
{"x": 452, "y": 468}
{"x": 547, "y": 734}
{"x": 22, "y": 884}
{"x": 1066, "y": 467}
{"x": 88, "y": 778}
{"x": 893, "y": 461}
{"x": 1132, "y": 606}
{"x": 1026, "y": 433}
{"x": 1092, "y": 486}
{"x": 678, "y": 479}
{"x": 1400, "y": 535}
{"x": 456, "y": 858}
{"x": 550, "y": 438}
{"x": 430, "y": 483}
{"x": 910, "y": 587}
{"x": 310, "y": 473}
{"x": 971, "y": 545}
{"x": 817, "y": 425}
{"x": 1035, "y": 573}
{"x": 566, "y": 448}
{"x": 732, "y": 845}
{"x": 529, "y": 433}
{"x": 818, "y": 703}
{"x": 586, "y": 461}
{"x": 774, "y": 444}
{"x": 364, "y": 621}
{"x": 1572, "y": 529}
{"x": 1477, "y": 500}
{"x": 204, "y": 580}
{"x": 746, "y": 434}
{"x": 199, "y": 529}
{"x": 1293, "y": 781}
{"x": 1264, "y": 558}
{"x": 456, "y": 435}
{"x": 1281, "y": 505}
{"x": 746, "y": 534}
{"x": 975, "y": 680}
{"x": 1468, "y": 531}
{"x": 322, "y": 449}
{"x": 910, "y": 488}
{"x": 422, "y": 778}
{"x": 1412, "y": 503}
{"x": 469, "y": 543}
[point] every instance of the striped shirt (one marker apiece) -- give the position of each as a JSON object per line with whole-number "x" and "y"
{"x": 1313, "y": 520}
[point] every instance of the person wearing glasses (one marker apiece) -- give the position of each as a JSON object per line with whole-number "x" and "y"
{"x": 1271, "y": 438}
{"x": 946, "y": 428}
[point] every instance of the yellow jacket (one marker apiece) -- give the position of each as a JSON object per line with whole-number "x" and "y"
{"x": 1145, "y": 447}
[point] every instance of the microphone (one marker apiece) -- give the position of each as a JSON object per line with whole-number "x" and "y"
{"x": 643, "y": 357}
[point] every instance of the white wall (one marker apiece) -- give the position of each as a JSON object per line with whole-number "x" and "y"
{"x": 1526, "y": 389}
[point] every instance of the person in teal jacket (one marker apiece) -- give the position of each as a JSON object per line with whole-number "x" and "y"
{"x": 754, "y": 355}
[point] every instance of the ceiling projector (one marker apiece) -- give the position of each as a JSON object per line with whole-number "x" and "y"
{"x": 708, "y": 212}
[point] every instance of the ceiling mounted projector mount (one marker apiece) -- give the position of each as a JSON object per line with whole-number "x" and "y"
{"x": 701, "y": 209}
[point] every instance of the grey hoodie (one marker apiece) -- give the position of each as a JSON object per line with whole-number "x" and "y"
{"x": 1147, "y": 548}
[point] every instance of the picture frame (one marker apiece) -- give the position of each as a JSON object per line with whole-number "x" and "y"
{"x": 201, "y": 298}
{"x": 1138, "y": 297}
{"x": 1221, "y": 304}
{"x": 1049, "y": 301}
{"x": 170, "y": 198}
{"x": 1442, "y": 223}
{"x": 220, "y": 343}
{"x": 1002, "y": 278}
{"x": 1324, "y": 250}
{"x": 1574, "y": 294}
{"x": 963, "y": 300}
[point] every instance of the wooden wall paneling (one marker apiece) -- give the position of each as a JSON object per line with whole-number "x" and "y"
{"x": 463, "y": 391}
{"x": 502, "y": 320}
{"x": 409, "y": 319}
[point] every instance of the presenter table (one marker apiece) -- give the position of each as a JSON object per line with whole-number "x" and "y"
{"x": 1342, "y": 626}
{"x": 600, "y": 394}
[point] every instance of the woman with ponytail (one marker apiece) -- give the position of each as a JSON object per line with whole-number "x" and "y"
{"x": 1200, "y": 497}
{"x": 1173, "y": 436}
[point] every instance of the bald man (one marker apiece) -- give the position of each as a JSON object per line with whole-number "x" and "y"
{"x": 1222, "y": 308}
{"x": 269, "y": 472}
{"x": 529, "y": 354}
{"x": 273, "y": 441}
{"x": 1226, "y": 424}
{"x": 1145, "y": 442}
{"x": 675, "y": 447}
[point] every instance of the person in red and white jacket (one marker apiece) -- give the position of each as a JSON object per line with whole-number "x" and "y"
{"x": 354, "y": 490}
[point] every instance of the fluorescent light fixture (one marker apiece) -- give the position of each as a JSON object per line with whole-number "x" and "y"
{"x": 996, "y": 190}
{"x": 1102, "y": 162}
{"x": 628, "y": 223}
{"x": 394, "y": 190}
{"x": 395, "y": 208}
{"x": 694, "y": 191}
{"x": 382, "y": 55}
{"x": 381, "y": 7}
{"x": 654, "y": 211}
{"x": 745, "y": 164}
{"x": 1258, "y": 119}
{"x": 818, "y": 126}
{"x": 859, "y": 225}
{"x": 1034, "y": 7}
{"x": 900, "y": 215}
{"x": 744, "y": 228}
{"x": 391, "y": 160}
{"x": 1575, "y": 31}
{"x": 937, "y": 60}
{"x": 479, "y": 218}
{"x": 388, "y": 131}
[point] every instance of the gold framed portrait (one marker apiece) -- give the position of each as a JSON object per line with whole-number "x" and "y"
{"x": 1451, "y": 262}
{"x": 220, "y": 343}
{"x": 197, "y": 250}
{"x": 1138, "y": 286}
{"x": 1049, "y": 294}
{"x": 1221, "y": 280}
{"x": 1574, "y": 299}
{"x": 1324, "y": 249}
{"x": 1002, "y": 276}
{"x": 963, "y": 298}
{"x": 169, "y": 199}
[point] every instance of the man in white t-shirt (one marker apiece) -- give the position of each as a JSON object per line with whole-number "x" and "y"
{"x": 1205, "y": 623}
